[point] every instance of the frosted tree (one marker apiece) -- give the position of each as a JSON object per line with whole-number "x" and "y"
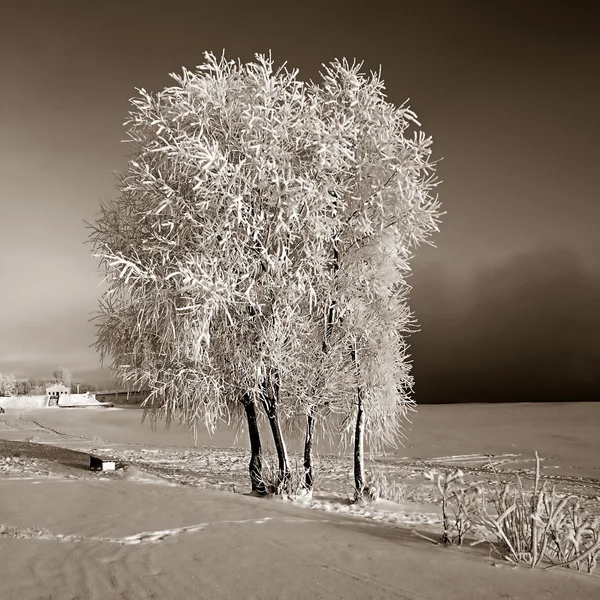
{"x": 256, "y": 255}
{"x": 381, "y": 178}
{"x": 64, "y": 376}
{"x": 8, "y": 385}
{"x": 211, "y": 250}
{"x": 37, "y": 389}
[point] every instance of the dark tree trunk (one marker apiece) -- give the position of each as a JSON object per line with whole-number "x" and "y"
{"x": 282, "y": 456}
{"x": 359, "y": 448}
{"x": 255, "y": 447}
{"x": 310, "y": 419}
{"x": 308, "y": 441}
{"x": 359, "y": 438}
{"x": 271, "y": 404}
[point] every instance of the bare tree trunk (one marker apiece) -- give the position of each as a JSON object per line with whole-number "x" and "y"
{"x": 359, "y": 437}
{"x": 310, "y": 419}
{"x": 255, "y": 467}
{"x": 308, "y": 441}
{"x": 271, "y": 404}
{"x": 359, "y": 448}
{"x": 282, "y": 456}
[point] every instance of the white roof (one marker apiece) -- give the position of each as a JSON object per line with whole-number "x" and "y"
{"x": 57, "y": 387}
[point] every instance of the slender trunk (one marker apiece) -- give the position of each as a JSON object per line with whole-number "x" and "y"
{"x": 308, "y": 441}
{"x": 280, "y": 448}
{"x": 310, "y": 419}
{"x": 255, "y": 467}
{"x": 359, "y": 437}
{"x": 359, "y": 448}
{"x": 271, "y": 405}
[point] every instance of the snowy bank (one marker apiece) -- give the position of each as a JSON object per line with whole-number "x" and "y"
{"x": 24, "y": 402}
{"x": 37, "y": 402}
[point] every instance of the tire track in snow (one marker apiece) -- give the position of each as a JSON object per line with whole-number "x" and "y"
{"x": 63, "y": 434}
{"x": 7, "y": 424}
{"x": 144, "y": 537}
{"x": 60, "y": 433}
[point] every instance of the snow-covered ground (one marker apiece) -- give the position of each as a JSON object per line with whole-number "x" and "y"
{"x": 169, "y": 526}
{"x": 24, "y": 402}
{"x": 101, "y": 539}
{"x": 39, "y": 402}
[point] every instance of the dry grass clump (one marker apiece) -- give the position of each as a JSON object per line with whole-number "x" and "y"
{"x": 294, "y": 486}
{"x": 379, "y": 487}
{"x": 460, "y": 503}
{"x": 529, "y": 527}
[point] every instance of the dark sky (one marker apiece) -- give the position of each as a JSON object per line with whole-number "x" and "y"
{"x": 508, "y": 301}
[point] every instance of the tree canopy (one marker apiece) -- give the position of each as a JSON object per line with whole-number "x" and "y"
{"x": 260, "y": 245}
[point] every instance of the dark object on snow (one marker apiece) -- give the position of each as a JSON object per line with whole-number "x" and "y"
{"x": 100, "y": 404}
{"x": 58, "y": 460}
{"x": 2, "y": 411}
{"x": 103, "y": 464}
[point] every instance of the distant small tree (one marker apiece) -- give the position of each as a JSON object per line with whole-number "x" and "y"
{"x": 37, "y": 389}
{"x": 8, "y": 385}
{"x": 64, "y": 376}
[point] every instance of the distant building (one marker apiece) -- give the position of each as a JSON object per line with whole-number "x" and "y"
{"x": 56, "y": 392}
